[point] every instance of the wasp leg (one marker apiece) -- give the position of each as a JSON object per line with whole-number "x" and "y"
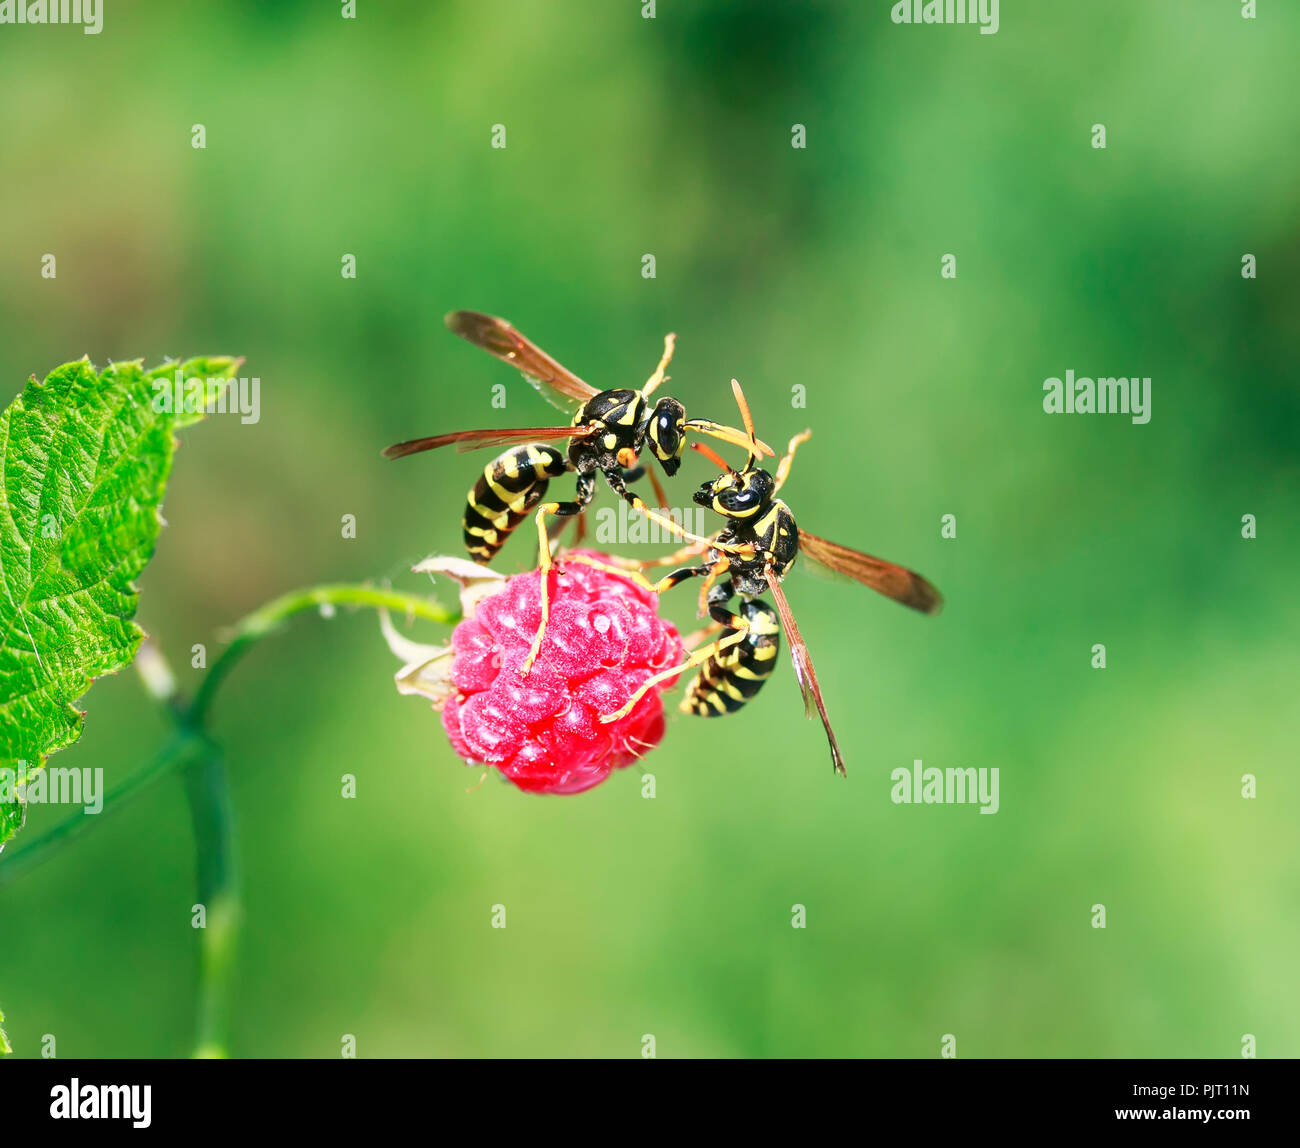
{"x": 637, "y": 578}
{"x": 695, "y": 640}
{"x": 556, "y": 527}
{"x": 738, "y": 629}
{"x": 670, "y": 342}
{"x": 665, "y": 523}
{"x": 585, "y": 492}
{"x": 707, "y": 592}
{"x": 783, "y": 467}
{"x": 727, "y": 681}
{"x": 640, "y": 471}
{"x": 658, "y": 489}
{"x": 697, "y": 658}
{"x": 694, "y": 550}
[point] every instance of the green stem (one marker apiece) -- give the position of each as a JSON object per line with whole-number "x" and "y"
{"x": 184, "y": 747}
{"x": 190, "y": 742}
{"x": 208, "y": 790}
{"x": 270, "y": 617}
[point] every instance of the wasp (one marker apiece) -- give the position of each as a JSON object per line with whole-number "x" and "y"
{"x": 749, "y": 557}
{"x": 608, "y": 431}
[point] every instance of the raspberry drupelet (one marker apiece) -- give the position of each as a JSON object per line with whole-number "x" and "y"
{"x": 604, "y": 638}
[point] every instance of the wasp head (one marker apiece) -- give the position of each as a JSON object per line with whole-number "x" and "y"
{"x": 738, "y": 493}
{"x": 667, "y": 433}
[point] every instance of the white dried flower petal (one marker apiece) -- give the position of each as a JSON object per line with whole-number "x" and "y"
{"x": 476, "y": 582}
{"x": 426, "y": 669}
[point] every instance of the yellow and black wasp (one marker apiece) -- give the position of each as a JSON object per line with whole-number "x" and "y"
{"x": 608, "y": 432}
{"x": 750, "y": 556}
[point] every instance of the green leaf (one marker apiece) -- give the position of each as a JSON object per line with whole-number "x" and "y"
{"x": 84, "y": 460}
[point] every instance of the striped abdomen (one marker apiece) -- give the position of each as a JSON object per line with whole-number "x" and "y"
{"x": 509, "y": 487}
{"x": 731, "y": 677}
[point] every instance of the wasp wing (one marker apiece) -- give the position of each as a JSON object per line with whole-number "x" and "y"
{"x": 803, "y": 669}
{"x": 475, "y": 439}
{"x": 896, "y": 582}
{"x": 497, "y": 337}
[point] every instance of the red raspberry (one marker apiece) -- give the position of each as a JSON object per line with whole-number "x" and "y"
{"x": 603, "y": 640}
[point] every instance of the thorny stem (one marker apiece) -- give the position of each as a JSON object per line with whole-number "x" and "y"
{"x": 208, "y": 790}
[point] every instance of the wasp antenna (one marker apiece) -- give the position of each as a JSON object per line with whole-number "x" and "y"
{"x": 748, "y": 420}
{"x": 713, "y": 456}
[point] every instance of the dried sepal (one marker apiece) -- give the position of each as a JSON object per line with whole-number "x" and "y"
{"x": 476, "y": 582}
{"x": 426, "y": 669}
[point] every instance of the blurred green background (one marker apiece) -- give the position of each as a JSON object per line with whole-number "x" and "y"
{"x": 820, "y": 267}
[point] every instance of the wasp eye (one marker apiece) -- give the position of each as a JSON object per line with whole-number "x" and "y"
{"x": 668, "y": 434}
{"x": 746, "y": 492}
{"x": 738, "y": 499}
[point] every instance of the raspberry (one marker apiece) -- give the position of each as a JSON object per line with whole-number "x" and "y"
{"x": 603, "y": 640}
